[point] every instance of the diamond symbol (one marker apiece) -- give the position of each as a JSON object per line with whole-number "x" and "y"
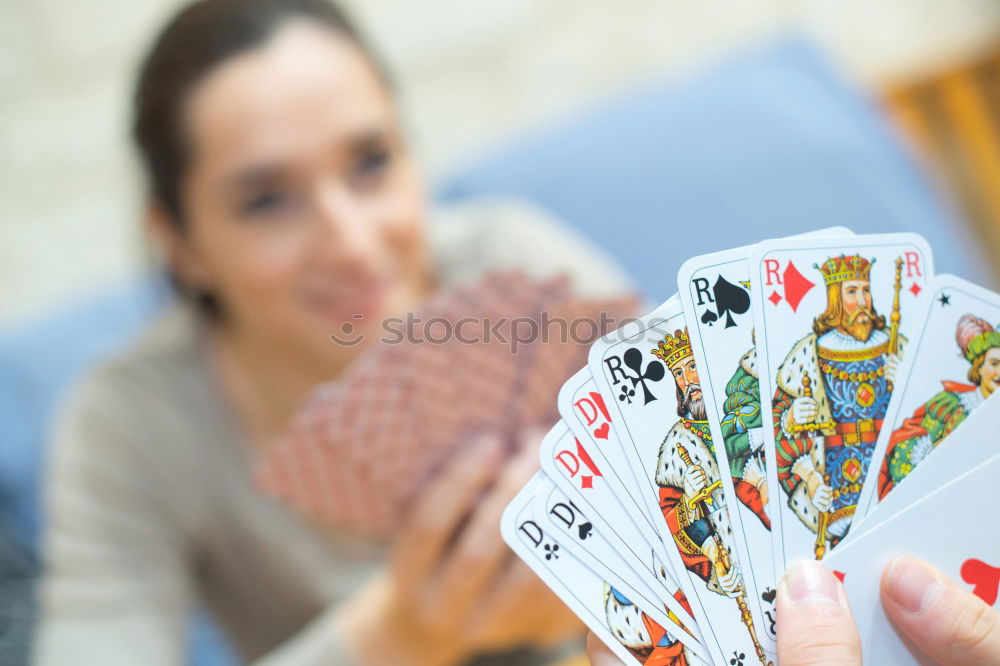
{"x": 587, "y": 482}
{"x": 915, "y": 289}
{"x": 774, "y": 297}
{"x": 796, "y": 285}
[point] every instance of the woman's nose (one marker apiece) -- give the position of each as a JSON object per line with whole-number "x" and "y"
{"x": 345, "y": 235}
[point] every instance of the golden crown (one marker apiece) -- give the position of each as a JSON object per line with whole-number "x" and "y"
{"x": 673, "y": 348}
{"x": 844, "y": 268}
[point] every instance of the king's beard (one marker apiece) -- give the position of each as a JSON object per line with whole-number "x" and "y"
{"x": 859, "y": 324}
{"x": 695, "y": 407}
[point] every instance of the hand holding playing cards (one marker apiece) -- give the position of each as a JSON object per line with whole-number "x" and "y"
{"x": 949, "y": 624}
{"x": 453, "y": 589}
{"x": 946, "y": 622}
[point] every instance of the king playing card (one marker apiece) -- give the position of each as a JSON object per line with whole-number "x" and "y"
{"x": 715, "y": 291}
{"x": 833, "y": 318}
{"x": 646, "y": 370}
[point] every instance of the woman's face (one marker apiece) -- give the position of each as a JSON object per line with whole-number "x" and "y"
{"x": 303, "y": 209}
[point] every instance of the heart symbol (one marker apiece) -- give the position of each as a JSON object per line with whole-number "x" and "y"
{"x": 984, "y": 579}
{"x": 602, "y": 432}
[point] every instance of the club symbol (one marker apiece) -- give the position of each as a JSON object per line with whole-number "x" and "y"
{"x": 551, "y": 551}
{"x": 585, "y": 530}
{"x": 944, "y": 299}
{"x": 737, "y": 659}
{"x": 627, "y": 394}
{"x": 772, "y": 624}
{"x": 653, "y": 372}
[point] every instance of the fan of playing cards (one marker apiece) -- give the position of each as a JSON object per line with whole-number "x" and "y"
{"x": 808, "y": 397}
{"x": 367, "y": 442}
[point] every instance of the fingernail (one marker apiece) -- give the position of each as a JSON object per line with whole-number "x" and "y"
{"x": 912, "y": 585}
{"x": 810, "y": 582}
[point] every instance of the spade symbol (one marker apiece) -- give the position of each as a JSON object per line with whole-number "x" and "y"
{"x": 585, "y": 529}
{"x": 730, "y": 299}
{"x": 768, "y": 595}
{"x": 709, "y": 317}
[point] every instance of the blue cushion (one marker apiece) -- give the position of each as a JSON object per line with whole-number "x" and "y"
{"x": 769, "y": 143}
{"x": 40, "y": 359}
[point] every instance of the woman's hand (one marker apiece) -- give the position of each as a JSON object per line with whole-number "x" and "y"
{"x": 453, "y": 588}
{"x": 950, "y": 625}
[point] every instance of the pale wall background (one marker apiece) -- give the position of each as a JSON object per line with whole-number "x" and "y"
{"x": 472, "y": 71}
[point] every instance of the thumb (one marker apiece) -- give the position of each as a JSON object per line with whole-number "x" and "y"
{"x": 950, "y": 625}
{"x": 599, "y": 653}
{"x": 815, "y": 626}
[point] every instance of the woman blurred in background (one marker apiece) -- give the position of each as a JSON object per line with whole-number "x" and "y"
{"x": 287, "y": 204}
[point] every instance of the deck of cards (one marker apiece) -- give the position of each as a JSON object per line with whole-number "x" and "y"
{"x": 825, "y": 396}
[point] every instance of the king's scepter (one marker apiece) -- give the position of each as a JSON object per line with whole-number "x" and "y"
{"x": 894, "y": 317}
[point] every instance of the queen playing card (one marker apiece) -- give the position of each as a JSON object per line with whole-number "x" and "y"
{"x": 621, "y": 624}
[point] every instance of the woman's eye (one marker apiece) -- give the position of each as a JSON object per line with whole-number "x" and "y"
{"x": 371, "y": 165}
{"x": 264, "y": 202}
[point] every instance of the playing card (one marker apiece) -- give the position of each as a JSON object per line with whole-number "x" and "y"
{"x": 657, "y": 410}
{"x": 968, "y": 446}
{"x": 972, "y": 560}
{"x": 953, "y": 367}
{"x": 471, "y": 360}
{"x": 558, "y": 515}
{"x": 564, "y": 461}
{"x": 599, "y": 469}
{"x": 625, "y": 627}
{"x": 832, "y": 316}
{"x": 715, "y": 292}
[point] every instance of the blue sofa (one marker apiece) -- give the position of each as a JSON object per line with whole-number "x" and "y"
{"x": 769, "y": 142}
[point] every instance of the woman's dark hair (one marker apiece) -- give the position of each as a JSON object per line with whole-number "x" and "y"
{"x": 200, "y": 37}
